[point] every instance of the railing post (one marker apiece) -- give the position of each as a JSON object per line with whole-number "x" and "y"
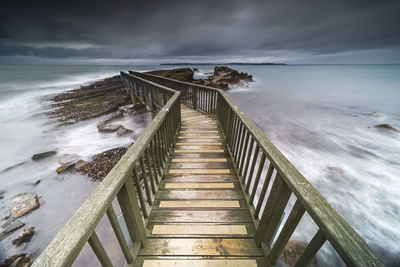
{"x": 194, "y": 96}
{"x": 272, "y": 214}
{"x": 131, "y": 212}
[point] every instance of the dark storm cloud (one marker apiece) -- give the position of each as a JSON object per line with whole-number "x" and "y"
{"x": 175, "y": 28}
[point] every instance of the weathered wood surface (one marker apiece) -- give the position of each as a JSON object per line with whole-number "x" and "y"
{"x": 200, "y": 209}
{"x": 236, "y": 125}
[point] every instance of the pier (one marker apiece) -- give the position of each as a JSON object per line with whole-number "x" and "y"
{"x": 202, "y": 186}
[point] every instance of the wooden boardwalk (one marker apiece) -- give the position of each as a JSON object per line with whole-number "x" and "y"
{"x": 200, "y": 216}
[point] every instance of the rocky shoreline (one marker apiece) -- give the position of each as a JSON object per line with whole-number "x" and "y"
{"x": 222, "y": 77}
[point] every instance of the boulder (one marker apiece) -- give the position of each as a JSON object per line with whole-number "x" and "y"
{"x": 293, "y": 251}
{"x": 43, "y": 155}
{"x": 19, "y": 260}
{"x": 10, "y": 226}
{"x": 79, "y": 164}
{"x": 24, "y": 203}
{"x": 25, "y": 236}
{"x": 64, "y": 167}
{"x": 386, "y": 126}
{"x": 123, "y": 131}
{"x": 68, "y": 159}
{"x": 108, "y": 128}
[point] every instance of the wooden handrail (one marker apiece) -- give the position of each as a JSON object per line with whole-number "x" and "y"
{"x": 155, "y": 143}
{"x": 248, "y": 145}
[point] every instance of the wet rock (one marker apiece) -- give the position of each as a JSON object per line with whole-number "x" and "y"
{"x": 374, "y": 114}
{"x": 386, "y": 126}
{"x": 24, "y": 203}
{"x": 64, "y": 167}
{"x": 221, "y": 78}
{"x": 34, "y": 183}
{"x": 293, "y": 251}
{"x": 180, "y": 74}
{"x": 115, "y": 116}
{"x": 101, "y": 164}
{"x": 123, "y": 131}
{"x": 87, "y": 102}
{"x": 2, "y": 192}
{"x": 108, "y": 128}
{"x": 43, "y": 155}
{"x": 134, "y": 110}
{"x": 13, "y": 167}
{"x": 68, "y": 159}
{"x": 10, "y": 226}
{"x": 19, "y": 260}
{"x": 25, "y": 236}
{"x": 79, "y": 164}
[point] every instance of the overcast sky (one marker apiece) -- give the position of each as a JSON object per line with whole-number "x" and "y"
{"x": 137, "y": 32}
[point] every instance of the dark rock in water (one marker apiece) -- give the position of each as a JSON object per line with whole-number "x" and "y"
{"x": 25, "y": 236}
{"x": 13, "y": 167}
{"x": 68, "y": 159}
{"x": 180, "y": 74}
{"x": 24, "y": 203}
{"x": 108, "y": 128}
{"x": 10, "y": 226}
{"x": 386, "y": 126}
{"x": 134, "y": 110}
{"x": 87, "y": 102}
{"x": 293, "y": 251}
{"x": 101, "y": 164}
{"x": 19, "y": 260}
{"x": 123, "y": 131}
{"x": 43, "y": 155}
{"x": 34, "y": 182}
{"x": 2, "y": 192}
{"x": 115, "y": 116}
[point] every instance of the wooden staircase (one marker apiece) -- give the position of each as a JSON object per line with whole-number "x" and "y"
{"x": 200, "y": 217}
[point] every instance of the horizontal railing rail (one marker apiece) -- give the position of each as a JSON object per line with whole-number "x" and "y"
{"x": 266, "y": 173}
{"x": 138, "y": 173}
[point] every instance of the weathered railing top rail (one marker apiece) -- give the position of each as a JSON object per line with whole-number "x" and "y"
{"x": 250, "y": 147}
{"x": 154, "y": 143}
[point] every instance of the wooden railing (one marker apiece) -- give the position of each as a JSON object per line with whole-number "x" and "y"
{"x": 261, "y": 166}
{"x": 143, "y": 163}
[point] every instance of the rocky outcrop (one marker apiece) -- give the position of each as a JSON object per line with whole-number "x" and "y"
{"x": 43, "y": 155}
{"x": 89, "y": 101}
{"x": 123, "y": 131}
{"x": 10, "y": 226}
{"x": 19, "y": 260}
{"x": 101, "y": 164}
{"x": 221, "y": 78}
{"x": 24, "y": 203}
{"x": 180, "y": 74}
{"x": 25, "y": 236}
{"x": 386, "y": 126}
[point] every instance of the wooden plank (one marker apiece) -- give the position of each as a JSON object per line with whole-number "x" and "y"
{"x": 200, "y": 247}
{"x": 199, "y": 185}
{"x": 198, "y": 147}
{"x": 198, "y": 144}
{"x": 185, "y": 160}
{"x": 199, "y": 137}
{"x": 199, "y": 204}
{"x": 198, "y": 126}
{"x": 198, "y": 131}
{"x": 199, "y": 151}
{"x": 192, "y": 229}
{"x": 199, "y": 194}
{"x": 200, "y": 263}
{"x": 200, "y": 171}
{"x": 200, "y": 165}
{"x": 200, "y": 216}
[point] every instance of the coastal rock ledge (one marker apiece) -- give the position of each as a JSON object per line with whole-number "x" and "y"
{"x": 221, "y": 78}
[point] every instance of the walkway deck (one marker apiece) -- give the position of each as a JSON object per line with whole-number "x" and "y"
{"x": 200, "y": 217}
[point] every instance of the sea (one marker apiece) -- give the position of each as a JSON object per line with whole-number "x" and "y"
{"x": 321, "y": 117}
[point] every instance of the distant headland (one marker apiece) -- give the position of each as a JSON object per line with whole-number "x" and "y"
{"x": 230, "y": 63}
